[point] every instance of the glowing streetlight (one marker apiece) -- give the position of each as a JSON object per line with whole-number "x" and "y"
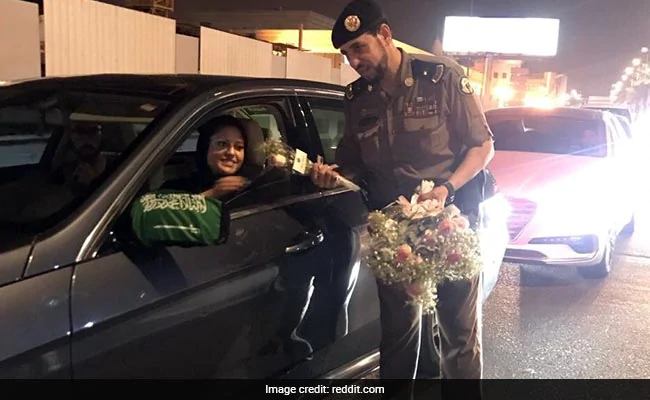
{"x": 644, "y": 50}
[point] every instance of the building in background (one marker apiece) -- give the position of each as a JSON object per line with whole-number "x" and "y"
{"x": 511, "y": 83}
{"x": 163, "y": 8}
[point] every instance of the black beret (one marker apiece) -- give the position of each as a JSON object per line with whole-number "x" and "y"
{"x": 357, "y": 18}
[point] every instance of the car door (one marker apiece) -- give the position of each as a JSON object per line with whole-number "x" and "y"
{"x": 235, "y": 310}
{"x": 326, "y": 119}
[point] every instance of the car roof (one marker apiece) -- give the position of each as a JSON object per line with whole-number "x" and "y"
{"x": 567, "y": 112}
{"x": 159, "y": 85}
{"x": 606, "y": 106}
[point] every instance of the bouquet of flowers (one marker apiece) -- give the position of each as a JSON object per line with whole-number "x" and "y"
{"x": 422, "y": 244}
{"x": 280, "y": 155}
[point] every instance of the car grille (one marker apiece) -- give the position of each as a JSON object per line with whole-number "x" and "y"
{"x": 521, "y": 213}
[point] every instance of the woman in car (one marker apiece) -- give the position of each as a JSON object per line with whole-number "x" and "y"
{"x": 220, "y": 156}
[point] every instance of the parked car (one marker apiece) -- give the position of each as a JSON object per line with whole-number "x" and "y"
{"x": 286, "y": 295}
{"x": 555, "y": 167}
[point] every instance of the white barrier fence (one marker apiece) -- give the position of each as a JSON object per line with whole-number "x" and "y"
{"x": 78, "y": 37}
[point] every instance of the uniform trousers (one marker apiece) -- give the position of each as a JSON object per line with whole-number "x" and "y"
{"x": 408, "y": 350}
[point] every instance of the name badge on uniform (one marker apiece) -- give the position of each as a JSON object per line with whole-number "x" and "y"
{"x": 422, "y": 107}
{"x": 432, "y": 106}
{"x": 407, "y": 109}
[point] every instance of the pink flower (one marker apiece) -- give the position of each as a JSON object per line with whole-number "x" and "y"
{"x": 403, "y": 253}
{"x": 277, "y": 160}
{"x": 429, "y": 237}
{"x": 453, "y": 258}
{"x": 445, "y": 227}
{"x": 461, "y": 223}
{"x": 414, "y": 289}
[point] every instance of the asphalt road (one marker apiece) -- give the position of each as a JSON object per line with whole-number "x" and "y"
{"x": 565, "y": 326}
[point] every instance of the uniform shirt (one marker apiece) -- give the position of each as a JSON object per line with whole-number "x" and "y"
{"x": 421, "y": 131}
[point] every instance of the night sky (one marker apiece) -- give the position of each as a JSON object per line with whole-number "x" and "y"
{"x": 598, "y": 38}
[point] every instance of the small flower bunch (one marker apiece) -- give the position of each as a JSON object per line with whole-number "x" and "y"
{"x": 278, "y": 154}
{"x": 422, "y": 244}
{"x": 281, "y": 155}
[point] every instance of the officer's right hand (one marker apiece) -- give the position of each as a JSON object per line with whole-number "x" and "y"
{"x": 324, "y": 176}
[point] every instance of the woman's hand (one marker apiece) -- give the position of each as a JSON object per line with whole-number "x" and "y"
{"x": 226, "y": 185}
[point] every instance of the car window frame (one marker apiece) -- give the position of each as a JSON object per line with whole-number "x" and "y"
{"x": 326, "y": 94}
{"x": 171, "y": 135}
{"x": 311, "y": 120}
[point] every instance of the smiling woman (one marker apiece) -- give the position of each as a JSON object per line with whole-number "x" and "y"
{"x": 220, "y": 156}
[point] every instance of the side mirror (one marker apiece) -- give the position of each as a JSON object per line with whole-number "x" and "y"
{"x": 173, "y": 218}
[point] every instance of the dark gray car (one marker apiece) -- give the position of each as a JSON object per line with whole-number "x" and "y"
{"x": 286, "y": 295}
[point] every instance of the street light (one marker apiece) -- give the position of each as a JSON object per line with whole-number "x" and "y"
{"x": 644, "y": 50}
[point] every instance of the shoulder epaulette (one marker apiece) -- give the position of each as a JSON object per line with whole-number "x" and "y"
{"x": 428, "y": 68}
{"x": 356, "y": 88}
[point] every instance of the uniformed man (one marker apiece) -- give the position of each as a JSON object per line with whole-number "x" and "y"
{"x": 412, "y": 117}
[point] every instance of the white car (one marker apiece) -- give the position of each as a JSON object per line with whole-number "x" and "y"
{"x": 564, "y": 173}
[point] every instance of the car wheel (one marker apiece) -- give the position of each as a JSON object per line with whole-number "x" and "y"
{"x": 604, "y": 267}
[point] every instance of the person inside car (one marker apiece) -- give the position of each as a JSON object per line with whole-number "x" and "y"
{"x": 220, "y": 157}
{"x": 83, "y": 162}
{"x": 76, "y": 168}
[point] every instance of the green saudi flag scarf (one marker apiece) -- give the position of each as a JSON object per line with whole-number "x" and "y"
{"x": 173, "y": 218}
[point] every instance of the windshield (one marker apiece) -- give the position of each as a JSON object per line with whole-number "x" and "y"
{"x": 57, "y": 146}
{"x": 548, "y": 134}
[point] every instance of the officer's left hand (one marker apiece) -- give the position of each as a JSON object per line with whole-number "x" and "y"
{"x": 324, "y": 176}
{"x": 439, "y": 193}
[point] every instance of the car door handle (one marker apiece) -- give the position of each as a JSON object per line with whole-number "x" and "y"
{"x": 307, "y": 241}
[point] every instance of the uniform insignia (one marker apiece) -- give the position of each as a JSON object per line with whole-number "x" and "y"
{"x": 356, "y": 88}
{"x": 352, "y": 23}
{"x": 465, "y": 86}
{"x": 370, "y": 88}
{"x": 349, "y": 92}
{"x": 429, "y": 69}
{"x": 437, "y": 75}
{"x": 408, "y": 82}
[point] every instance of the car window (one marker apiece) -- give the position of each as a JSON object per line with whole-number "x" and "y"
{"x": 619, "y": 138}
{"x": 271, "y": 118}
{"x": 57, "y": 146}
{"x": 266, "y": 116}
{"x": 329, "y": 120}
{"x": 624, "y": 126}
{"x": 548, "y": 134}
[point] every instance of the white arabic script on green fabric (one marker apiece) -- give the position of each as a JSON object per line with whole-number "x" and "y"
{"x": 174, "y": 201}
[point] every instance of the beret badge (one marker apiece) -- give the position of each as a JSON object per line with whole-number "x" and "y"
{"x": 352, "y": 23}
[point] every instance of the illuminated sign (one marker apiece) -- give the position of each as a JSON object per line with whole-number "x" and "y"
{"x": 501, "y": 36}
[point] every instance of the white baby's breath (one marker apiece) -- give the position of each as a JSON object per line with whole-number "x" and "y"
{"x": 422, "y": 244}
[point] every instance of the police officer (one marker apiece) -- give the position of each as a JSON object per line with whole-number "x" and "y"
{"x": 412, "y": 117}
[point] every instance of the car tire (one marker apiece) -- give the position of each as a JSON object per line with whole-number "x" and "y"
{"x": 604, "y": 267}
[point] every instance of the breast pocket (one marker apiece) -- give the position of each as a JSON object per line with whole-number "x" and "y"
{"x": 369, "y": 144}
{"x": 420, "y": 138}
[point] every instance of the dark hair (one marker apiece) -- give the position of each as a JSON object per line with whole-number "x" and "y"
{"x": 206, "y": 131}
